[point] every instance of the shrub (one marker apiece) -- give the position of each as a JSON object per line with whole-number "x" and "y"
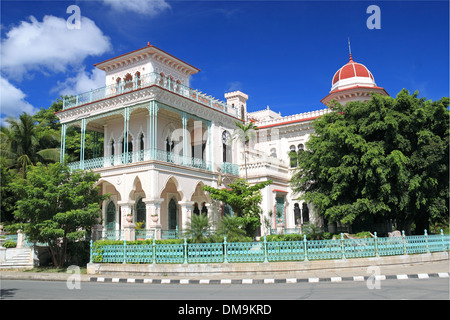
{"x": 9, "y": 244}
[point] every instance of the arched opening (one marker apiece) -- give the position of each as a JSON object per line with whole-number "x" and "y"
{"x": 137, "y": 79}
{"x": 141, "y": 213}
{"x": 172, "y": 211}
{"x": 112, "y": 153}
{"x": 128, "y": 79}
{"x": 305, "y": 212}
{"x": 226, "y": 147}
{"x": 110, "y": 223}
{"x": 297, "y": 214}
{"x": 141, "y": 147}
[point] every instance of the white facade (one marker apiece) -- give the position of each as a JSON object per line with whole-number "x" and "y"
{"x": 164, "y": 140}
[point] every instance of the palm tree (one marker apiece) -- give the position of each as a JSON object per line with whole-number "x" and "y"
{"x": 245, "y": 133}
{"x": 22, "y": 145}
{"x": 197, "y": 227}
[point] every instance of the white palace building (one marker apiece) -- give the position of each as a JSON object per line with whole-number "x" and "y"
{"x": 164, "y": 140}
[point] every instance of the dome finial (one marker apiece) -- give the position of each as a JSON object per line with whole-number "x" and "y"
{"x": 350, "y": 49}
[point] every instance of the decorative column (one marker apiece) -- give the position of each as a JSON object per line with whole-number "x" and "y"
{"x": 63, "y": 143}
{"x": 83, "y": 138}
{"x": 153, "y": 215}
{"x": 210, "y": 146}
{"x": 126, "y": 208}
{"x": 184, "y": 121}
{"x": 126, "y": 123}
{"x": 152, "y": 129}
{"x": 186, "y": 212}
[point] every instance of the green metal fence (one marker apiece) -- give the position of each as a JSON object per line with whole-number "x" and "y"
{"x": 267, "y": 251}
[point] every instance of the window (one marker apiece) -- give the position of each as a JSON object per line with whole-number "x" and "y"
{"x": 141, "y": 212}
{"x": 305, "y": 212}
{"x": 226, "y": 148}
{"x": 110, "y": 216}
{"x": 112, "y": 152}
{"x": 141, "y": 147}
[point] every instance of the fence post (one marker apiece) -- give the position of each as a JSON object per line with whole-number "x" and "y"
{"x": 185, "y": 251}
{"x": 90, "y": 251}
{"x": 124, "y": 251}
{"x": 306, "y": 247}
{"x": 265, "y": 250}
{"x": 154, "y": 251}
{"x": 342, "y": 246}
{"x": 442, "y": 239}
{"x": 404, "y": 242}
{"x": 376, "y": 244}
{"x": 225, "y": 259}
{"x": 426, "y": 240}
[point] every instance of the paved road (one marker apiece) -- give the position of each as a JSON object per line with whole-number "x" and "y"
{"x": 430, "y": 288}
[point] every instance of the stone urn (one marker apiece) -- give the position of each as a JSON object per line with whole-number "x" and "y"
{"x": 129, "y": 218}
{"x": 155, "y": 218}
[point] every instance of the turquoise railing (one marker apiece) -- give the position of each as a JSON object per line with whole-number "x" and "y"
{"x": 145, "y": 81}
{"x": 267, "y": 251}
{"x": 137, "y": 156}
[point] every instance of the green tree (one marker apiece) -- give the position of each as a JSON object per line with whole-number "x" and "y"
{"x": 386, "y": 158}
{"x": 22, "y": 144}
{"x": 244, "y": 200}
{"x": 197, "y": 227}
{"x": 57, "y": 207}
{"x": 245, "y": 133}
{"x": 232, "y": 228}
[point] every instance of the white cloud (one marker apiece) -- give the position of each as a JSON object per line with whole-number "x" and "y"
{"x": 144, "y": 7}
{"x": 50, "y": 46}
{"x": 82, "y": 82}
{"x": 12, "y": 100}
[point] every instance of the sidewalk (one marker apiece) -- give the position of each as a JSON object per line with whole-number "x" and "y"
{"x": 421, "y": 270}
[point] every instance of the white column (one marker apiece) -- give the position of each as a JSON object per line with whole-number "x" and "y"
{"x": 186, "y": 212}
{"x": 153, "y": 215}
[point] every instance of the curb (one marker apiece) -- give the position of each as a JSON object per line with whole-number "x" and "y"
{"x": 270, "y": 280}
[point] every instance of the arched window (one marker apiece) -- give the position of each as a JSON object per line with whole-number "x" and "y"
{"x": 172, "y": 214}
{"x": 226, "y": 147}
{"x": 128, "y": 79}
{"x": 242, "y": 112}
{"x": 112, "y": 152}
{"x": 118, "y": 85}
{"x": 292, "y": 156}
{"x": 141, "y": 147}
{"x": 305, "y": 212}
{"x": 297, "y": 214}
{"x": 110, "y": 216}
{"x": 141, "y": 212}
{"x": 137, "y": 79}
{"x": 128, "y": 146}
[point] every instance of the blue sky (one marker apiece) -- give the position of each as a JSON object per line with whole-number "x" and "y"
{"x": 281, "y": 53}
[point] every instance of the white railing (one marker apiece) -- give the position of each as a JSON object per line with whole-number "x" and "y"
{"x": 144, "y": 81}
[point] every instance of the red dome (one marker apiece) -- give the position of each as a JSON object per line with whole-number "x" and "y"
{"x": 350, "y": 70}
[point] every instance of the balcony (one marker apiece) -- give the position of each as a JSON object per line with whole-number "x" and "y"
{"x": 149, "y": 155}
{"x": 145, "y": 81}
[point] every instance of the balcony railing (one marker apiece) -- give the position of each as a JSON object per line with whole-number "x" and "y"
{"x": 146, "y": 155}
{"x": 145, "y": 81}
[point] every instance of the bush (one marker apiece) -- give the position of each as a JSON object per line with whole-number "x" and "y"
{"x": 9, "y": 244}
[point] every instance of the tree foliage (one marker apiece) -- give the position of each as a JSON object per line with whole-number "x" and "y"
{"x": 244, "y": 200}
{"x": 57, "y": 207}
{"x": 386, "y": 158}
